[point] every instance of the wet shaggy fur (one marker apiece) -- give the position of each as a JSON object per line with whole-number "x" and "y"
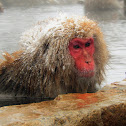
{"x": 44, "y": 67}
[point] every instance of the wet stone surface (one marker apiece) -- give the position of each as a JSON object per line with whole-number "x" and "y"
{"x": 106, "y": 107}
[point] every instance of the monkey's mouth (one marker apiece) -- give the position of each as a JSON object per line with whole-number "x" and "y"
{"x": 85, "y": 73}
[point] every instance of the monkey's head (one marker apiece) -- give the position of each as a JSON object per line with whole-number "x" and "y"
{"x": 82, "y": 51}
{"x": 64, "y": 49}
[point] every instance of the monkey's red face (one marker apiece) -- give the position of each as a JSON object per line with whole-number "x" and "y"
{"x": 82, "y": 51}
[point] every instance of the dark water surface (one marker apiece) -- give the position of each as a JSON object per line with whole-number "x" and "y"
{"x": 19, "y": 17}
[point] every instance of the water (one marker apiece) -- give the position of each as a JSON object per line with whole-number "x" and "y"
{"x": 16, "y": 19}
{"x": 115, "y": 33}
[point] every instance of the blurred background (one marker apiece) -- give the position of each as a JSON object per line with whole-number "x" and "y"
{"x": 16, "y": 16}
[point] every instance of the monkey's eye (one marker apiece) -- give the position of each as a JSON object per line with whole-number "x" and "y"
{"x": 76, "y": 46}
{"x": 87, "y": 44}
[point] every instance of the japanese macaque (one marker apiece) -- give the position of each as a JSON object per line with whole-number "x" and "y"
{"x": 103, "y": 5}
{"x": 58, "y": 56}
{"x": 125, "y": 7}
{"x": 1, "y": 7}
{"x": 104, "y": 10}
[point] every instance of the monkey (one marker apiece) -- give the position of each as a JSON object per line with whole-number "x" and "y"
{"x": 104, "y": 10}
{"x": 65, "y": 54}
{"x": 125, "y": 7}
{"x": 103, "y": 5}
{"x": 1, "y": 7}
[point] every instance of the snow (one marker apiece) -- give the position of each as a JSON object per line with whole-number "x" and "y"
{"x": 32, "y": 37}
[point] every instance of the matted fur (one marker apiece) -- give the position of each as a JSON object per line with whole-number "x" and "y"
{"x": 45, "y": 68}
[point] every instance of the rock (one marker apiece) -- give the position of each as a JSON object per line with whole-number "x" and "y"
{"x": 104, "y": 108}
